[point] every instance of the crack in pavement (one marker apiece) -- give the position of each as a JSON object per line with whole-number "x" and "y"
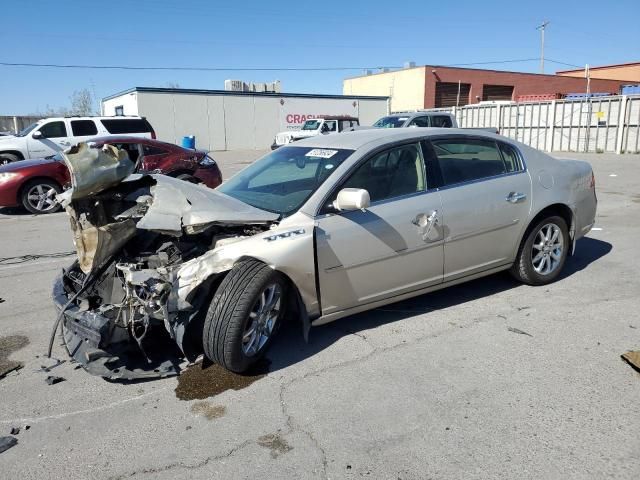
{"x": 174, "y": 465}
{"x": 33, "y": 420}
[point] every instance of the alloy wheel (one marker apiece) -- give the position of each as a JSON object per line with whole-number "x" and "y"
{"x": 262, "y": 320}
{"x": 547, "y": 249}
{"x": 40, "y": 197}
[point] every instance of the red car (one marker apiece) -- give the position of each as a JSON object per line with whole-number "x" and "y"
{"x": 31, "y": 183}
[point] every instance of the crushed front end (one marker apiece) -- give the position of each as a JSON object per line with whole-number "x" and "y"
{"x": 123, "y": 313}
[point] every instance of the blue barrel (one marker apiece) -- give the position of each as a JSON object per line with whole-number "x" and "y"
{"x": 189, "y": 141}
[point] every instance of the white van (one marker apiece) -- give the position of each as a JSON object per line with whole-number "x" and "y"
{"x": 51, "y": 135}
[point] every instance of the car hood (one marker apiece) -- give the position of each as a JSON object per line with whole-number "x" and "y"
{"x": 304, "y": 134}
{"x": 164, "y": 204}
{"x": 22, "y": 164}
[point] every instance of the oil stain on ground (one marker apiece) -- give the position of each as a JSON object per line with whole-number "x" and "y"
{"x": 207, "y": 410}
{"x": 275, "y": 443}
{"x": 199, "y": 382}
{"x": 8, "y": 345}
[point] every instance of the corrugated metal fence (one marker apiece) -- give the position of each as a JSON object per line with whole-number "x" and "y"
{"x": 605, "y": 124}
{"x": 14, "y": 124}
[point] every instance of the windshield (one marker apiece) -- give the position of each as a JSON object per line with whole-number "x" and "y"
{"x": 390, "y": 122}
{"x": 283, "y": 180}
{"x": 311, "y": 125}
{"x": 27, "y": 130}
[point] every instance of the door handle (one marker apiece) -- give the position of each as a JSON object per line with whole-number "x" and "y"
{"x": 515, "y": 197}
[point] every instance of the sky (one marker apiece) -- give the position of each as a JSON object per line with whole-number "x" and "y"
{"x": 289, "y": 34}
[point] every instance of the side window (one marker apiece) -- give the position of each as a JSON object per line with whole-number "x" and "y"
{"x": 331, "y": 126}
{"x": 510, "y": 156}
{"x": 419, "y": 122}
{"x": 151, "y": 150}
{"x": 390, "y": 174}
{"x": 467, "y": 159}
{"x": 441, "y": 121}
{"x": 83, "y": 128}
{"x": 119, "y": 111}
{"x": 53, "y": 130}
{"x": 128, "y": 125}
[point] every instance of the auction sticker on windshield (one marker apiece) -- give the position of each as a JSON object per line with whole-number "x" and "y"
{"x": 321, "y": 153}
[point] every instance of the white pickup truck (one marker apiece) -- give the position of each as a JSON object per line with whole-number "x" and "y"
{"x": 316, "y": 126}
{"x": 422, "y": 119}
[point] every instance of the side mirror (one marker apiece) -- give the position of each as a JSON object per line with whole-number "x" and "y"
{"x": 37, "y": 135}
{"x": 352, "y": 199}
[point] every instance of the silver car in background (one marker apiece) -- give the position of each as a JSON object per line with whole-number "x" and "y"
{"x": 318, "y": 231}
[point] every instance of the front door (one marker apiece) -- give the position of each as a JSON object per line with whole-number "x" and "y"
{"x": 486, "y": 197}
{"x": 54, "y": 138}
{"x": 394, "y": 246}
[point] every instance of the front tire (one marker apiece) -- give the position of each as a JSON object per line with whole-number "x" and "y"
{"x": 7, "y": 158}
{"x": 244, "y": 315}
{"x": 543, "y": 253}
{"x": 38, "y": 196}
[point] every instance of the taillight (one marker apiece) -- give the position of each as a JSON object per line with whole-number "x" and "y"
{"x": 592, "y": 184}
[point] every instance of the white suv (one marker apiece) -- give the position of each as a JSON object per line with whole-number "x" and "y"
{"x": 50, "y": 135}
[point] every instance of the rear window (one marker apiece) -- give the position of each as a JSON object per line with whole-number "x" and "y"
{"x": 127, "y": 125}
{"x": 82, "y": 128}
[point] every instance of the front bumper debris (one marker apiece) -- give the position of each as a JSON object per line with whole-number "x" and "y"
{"x": 85, "y": 332}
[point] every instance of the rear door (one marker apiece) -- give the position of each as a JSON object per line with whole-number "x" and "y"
{"x": 391, "y": 247}
{"x": 82, "y": 130}
{"x": 486, "y": 198}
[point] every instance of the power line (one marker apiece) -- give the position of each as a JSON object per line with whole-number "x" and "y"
{"x": 237, "y": 69}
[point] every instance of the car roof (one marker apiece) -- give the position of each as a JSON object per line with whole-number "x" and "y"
{"x": 419, "y": 112}
{"x": 133, "y": 139}
{"x": 94, "y": 117}
{"x": 379, "y": 136}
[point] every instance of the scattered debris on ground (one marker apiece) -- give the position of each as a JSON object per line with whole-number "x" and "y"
{"x": 207, "y": 410}
{"x": 2, "y": 300}
{"x": 44, "y": 368}
{"x": 275, "y": 443}
{"x": 199, "y": 381}
{"x": 15, "y": 430}
{"x": 7, "y": 442}
{"x": 633, "y": 359}
{"x": 517, "y": 330}
{"x": 8, "y": 345}
{"x": 52, "y": 379}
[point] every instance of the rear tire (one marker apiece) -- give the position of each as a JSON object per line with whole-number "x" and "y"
{"x": 248, "y": 306}
{"x": 6, "y": 158}
{"x": 37, "y": 198}
{"x": 543, "y": 252}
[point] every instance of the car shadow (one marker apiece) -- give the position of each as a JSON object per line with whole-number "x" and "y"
{"x": 289, "y": 347}
{"x": 14, "y": 211}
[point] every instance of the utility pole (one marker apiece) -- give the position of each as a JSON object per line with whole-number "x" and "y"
{"x": 542, "y": 28}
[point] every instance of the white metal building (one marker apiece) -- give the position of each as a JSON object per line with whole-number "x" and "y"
{"x": 224, "y": 120}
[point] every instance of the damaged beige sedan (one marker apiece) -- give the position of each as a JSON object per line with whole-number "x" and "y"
{"x": 335, "y": 225}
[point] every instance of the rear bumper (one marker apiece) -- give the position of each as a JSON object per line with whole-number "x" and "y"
{"x": 85, "y": 334}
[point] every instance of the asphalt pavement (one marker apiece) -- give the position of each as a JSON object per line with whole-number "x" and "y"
{"x": 486, "y": 380}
